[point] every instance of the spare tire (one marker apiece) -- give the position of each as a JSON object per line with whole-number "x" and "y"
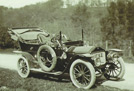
{"x": 46, "y": 57}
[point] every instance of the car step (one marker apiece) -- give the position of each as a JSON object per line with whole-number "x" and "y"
{"x": 51, "y": 73}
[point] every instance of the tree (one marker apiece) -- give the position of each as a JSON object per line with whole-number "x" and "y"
{"x": 121, "y": 7}
{"x": 5, "y": 40}
{"x": 1, "y": 16}
{"x": 118, "y": 26}
{"x": 81, "y": 15}
{"x": 130, "y": 20}
{"x": 110, "y": 24}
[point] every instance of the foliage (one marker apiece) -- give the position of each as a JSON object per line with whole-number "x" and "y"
{"x": 117, "y": 26}
{"x": 81, "y": 15}
{"x": 5, "y": 40}
{"x": 130, "y": 20}
{"x": 53, "y": 18}
{"x": 109, "y": 24}
{"x": 1, "y": 16}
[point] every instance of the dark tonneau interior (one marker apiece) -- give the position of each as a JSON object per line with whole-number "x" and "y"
{"x": 74, "y": 43}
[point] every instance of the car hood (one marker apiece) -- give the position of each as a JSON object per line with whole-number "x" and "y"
{"x": 81, "y": 49}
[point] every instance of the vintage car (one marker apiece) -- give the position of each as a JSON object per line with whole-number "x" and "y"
{"x": 55, "y": 54}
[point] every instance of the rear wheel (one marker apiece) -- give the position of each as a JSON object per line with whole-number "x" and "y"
{"x": 46, "y": 58}
{"x": 82, "y": 74}
{"x": 115, "y": 70}
{"x": 23, "y": 67}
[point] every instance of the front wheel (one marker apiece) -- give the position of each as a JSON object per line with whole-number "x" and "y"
{"x": 115, "y": 70}
{"x": 82, "y": 74}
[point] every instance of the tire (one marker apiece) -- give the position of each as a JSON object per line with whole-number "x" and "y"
{"x": 23, "y": 67}
{"x": 116, "y": 70}
{"x": 86, "y": 78}
{"x": 46, "y": 58}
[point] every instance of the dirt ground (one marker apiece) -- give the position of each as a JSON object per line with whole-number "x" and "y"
{"x": 128, "y": 80}
{"x": 9, "y": 61}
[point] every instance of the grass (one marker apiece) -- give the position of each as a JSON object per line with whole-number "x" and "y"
{"x": 10, "y": 81}
{"x": 7, "y": 50}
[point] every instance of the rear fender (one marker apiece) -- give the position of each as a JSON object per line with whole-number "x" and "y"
{"x": 31, "y": 60}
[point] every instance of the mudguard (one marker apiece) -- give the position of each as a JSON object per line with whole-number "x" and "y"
{"x": 114, "y": 53}
{"x": 115, "y": 50}
{"x": 31, "y": 60}
{"x": 81, "y": 49}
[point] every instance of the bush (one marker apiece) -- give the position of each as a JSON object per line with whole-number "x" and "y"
{"x": 5, "y": 40}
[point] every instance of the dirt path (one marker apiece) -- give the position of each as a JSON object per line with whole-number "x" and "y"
{"x": 9, "y": 61}
{"x": 128, "y": 79}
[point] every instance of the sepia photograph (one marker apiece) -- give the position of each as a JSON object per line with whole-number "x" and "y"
{"x": 66, "y": 45}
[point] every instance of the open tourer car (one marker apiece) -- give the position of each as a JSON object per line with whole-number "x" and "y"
{"x": 55, "y": 54}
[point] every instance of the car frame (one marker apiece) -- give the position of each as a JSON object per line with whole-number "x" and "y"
{"x": 56, "y": 55}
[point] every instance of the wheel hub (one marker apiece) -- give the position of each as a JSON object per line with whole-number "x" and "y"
{"x": 81, "y": 73}
{"x": 112, "y": 67}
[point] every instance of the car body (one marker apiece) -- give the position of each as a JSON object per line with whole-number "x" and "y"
{"x": 56, "y": 55}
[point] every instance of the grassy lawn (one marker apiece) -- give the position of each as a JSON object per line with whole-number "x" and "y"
{"x": 10, "y": 81}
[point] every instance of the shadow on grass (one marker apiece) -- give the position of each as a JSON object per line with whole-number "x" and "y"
{"x": 61, "y": 78}
{"x": 65, "y": 78}
{"x": 44, "y": 82}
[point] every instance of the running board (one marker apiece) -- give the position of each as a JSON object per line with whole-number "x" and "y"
{"x": 50, "y": 73}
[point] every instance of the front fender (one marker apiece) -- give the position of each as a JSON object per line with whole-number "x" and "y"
{"x": 114, "y": 53}
{"x": 115, "y": 50}
{"x": 85, "y": 57}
